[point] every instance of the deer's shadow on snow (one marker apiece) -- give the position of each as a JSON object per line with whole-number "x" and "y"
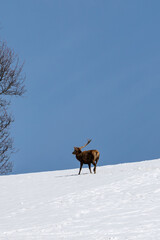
{"x": 72, "y": 175}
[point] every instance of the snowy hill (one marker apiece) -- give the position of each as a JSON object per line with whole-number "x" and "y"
{"x": 120, "y": 202}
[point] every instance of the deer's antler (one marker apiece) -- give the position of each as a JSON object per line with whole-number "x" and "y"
{"x": 86, "y": 143}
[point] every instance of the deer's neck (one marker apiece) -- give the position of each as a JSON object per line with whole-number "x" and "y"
{"x": 79, "y": 156}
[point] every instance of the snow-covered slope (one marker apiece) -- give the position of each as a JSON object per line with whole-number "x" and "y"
{"x": 120, "y": 202}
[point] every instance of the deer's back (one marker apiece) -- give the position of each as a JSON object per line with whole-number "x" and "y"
{"x": 89, "y": 156}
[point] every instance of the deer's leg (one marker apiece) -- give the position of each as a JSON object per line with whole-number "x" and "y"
{"x": 94, "y": 169}
{"x": 81, "y": 164}
{"x": 97, "y": 160}
{"x": 89, "y": 165}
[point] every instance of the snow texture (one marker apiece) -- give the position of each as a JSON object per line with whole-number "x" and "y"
{"x": 120, "y": 202}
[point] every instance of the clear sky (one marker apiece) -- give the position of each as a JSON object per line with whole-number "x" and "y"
{"x": 92, "y": 71}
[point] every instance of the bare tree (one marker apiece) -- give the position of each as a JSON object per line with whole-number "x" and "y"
{"x": 11, "y": 84}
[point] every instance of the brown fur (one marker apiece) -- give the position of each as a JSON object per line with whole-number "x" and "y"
{"x": 86, "y": 157}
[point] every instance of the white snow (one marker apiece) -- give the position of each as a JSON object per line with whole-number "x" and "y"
{"x": 120, "y": 202}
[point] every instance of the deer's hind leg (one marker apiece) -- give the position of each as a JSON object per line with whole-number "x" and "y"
{"x": 97, "y": 159}
{"x": 94, "y": 169}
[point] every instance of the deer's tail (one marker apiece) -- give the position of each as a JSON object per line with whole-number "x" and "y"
{"x": 97, "y": 156}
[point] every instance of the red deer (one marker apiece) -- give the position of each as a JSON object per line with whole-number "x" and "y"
{"x": 86, "y": 157}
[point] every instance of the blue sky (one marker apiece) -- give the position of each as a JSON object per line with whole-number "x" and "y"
{"x": 92, "y": 71}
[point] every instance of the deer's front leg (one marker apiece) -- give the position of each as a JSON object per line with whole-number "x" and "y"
{"x": 81, "y": 164}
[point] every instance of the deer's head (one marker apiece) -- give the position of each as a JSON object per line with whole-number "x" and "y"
{"x": 77, "y": 150}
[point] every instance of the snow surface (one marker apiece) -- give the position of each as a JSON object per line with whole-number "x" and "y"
{"x": 120, "y": 202}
